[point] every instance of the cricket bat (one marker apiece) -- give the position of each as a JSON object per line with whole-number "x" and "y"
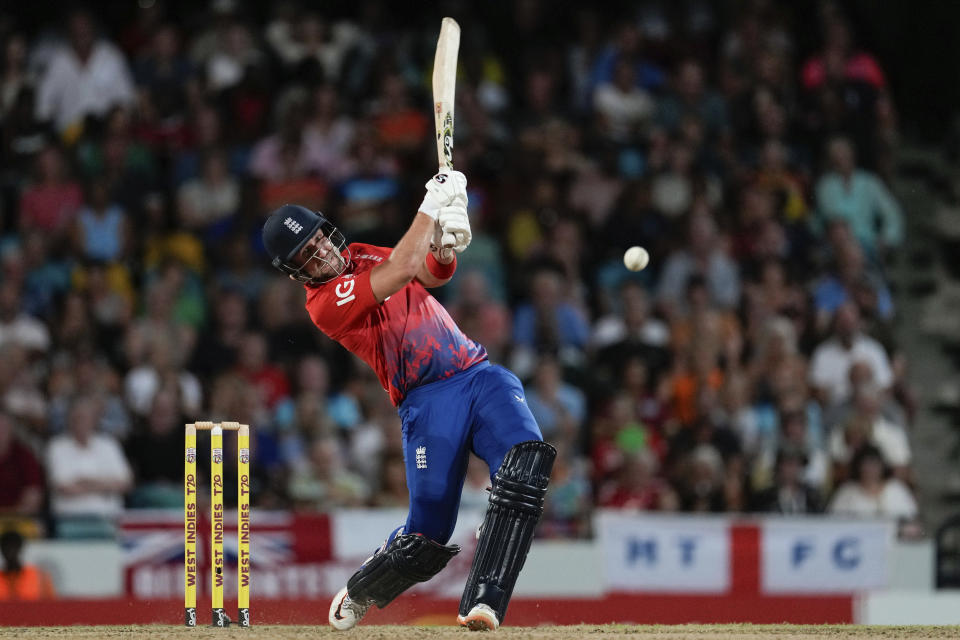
{"x": 444, "y": 88}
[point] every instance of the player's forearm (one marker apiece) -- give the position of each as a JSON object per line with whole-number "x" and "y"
{"x": 404, "y": 262}
{"x": 414, "y": 246}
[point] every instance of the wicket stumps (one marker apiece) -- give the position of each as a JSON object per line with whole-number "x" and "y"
{"x": 190, "y": 516}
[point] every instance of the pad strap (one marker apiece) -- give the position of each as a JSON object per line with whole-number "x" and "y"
{"x": 407, "y": 560}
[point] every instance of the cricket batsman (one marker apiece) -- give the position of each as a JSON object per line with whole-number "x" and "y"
{"x": 451, "y": 400}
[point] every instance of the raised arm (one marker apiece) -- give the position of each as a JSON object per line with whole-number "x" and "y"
{"x": 404, "y": 263}
{"x": 446, "y": 193}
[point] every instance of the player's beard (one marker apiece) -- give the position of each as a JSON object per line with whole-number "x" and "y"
{"x": 334, "y": 264}
{"x": 338, "y": 265}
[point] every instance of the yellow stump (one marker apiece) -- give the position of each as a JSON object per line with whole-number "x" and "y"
{"x": 243, "y": 525}
{"x": 190, "y": 526}
{"x": 216, "y": 525}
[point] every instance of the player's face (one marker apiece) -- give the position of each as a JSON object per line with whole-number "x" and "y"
{"x": 319, "y": 258}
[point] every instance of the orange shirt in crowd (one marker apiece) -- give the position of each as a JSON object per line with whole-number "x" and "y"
{"x": 684, "y": 390}
{"x": 30, "y": 583}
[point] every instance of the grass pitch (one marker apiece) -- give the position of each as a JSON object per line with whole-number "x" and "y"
{"x": 601, "y": 632}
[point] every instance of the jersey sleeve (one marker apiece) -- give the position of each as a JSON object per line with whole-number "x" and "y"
{"x": 341, "y": 303}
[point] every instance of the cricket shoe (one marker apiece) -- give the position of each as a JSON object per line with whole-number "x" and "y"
{"x": 480, "y": 618}
{"x": 344, "y": 612}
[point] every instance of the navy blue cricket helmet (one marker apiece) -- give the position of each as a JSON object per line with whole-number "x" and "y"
{"x": 288, "y": 229}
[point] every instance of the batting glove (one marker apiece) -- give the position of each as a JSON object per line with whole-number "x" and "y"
{"x": 455, "y": 223}
{"x": 443, "y": 190}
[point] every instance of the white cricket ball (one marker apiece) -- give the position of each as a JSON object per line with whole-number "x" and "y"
{"x": 636, "y": 258}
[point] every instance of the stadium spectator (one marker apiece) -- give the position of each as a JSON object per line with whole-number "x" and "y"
{"x": 101, "y": 231}
{"x": 831, "y": 360}
{"x": 237, "y": 268}
{"x": 322, "y": 483}
{"x": 476, "y": 486}
{"x": 690, "y": 97}
{"x": 86, "y": 78}
{"x": 566, "y": 510}
{"x": 649, "y": 403}
{"x": 219, "y": 342}
{"x": 547, "y": 321}
{"x": 293, "y": 151}
{"x": 870, "y": 492}
{"x": 88, "y": 472}
{"x": 157, "y": 439}
{"x": 399, "y": 125}
{"x": 866, "y": 425}
{"x": 331, "y": 131}
{"x": 701, "y": 481}
{"x": 795, "y": 433}
{"x": 790, "y": 494}
{"x": 14, "y": 76}
{"x": 282, "y": 324}
{"x": 478, "y": 313}
{"x": 164, "y": 366}
{"x": 631, "y": 331}
{"x": 392, "y": 487}
{"x": 50, "y": 204}
{"x": 89, "y": 374}
{"x": 256, "y": 367}
{"x": 638, "y": 486}
{"x": 857, "y": 65}
{"x": 209, "y": 201}
{"x": 558, "y": 407}
{"x": 21, "y": 476}
{"x": 852, "y": 280}
{"x": 234, "y": 52}
{"x": 622, "y": 105}
{"x": 705, "y": 258}
{"x": 17, "y": 327}
{"x": 21, "y": 387}
{"x": 859, "y": 197}
{"x": 169, "y": 79}
{"x": 20, "y": 581}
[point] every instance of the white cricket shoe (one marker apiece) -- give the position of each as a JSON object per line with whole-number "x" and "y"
{"x": 344, "y": 612}
{"x": 480, "y": 618}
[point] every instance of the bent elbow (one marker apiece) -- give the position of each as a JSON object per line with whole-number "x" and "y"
{"x": 407, "y": 267}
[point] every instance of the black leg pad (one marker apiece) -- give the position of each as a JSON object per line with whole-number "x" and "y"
{"x": 516, "y": 504}
{"x": 408, "y": 559}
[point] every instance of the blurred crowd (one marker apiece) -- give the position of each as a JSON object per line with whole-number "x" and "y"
{"x": 750, "y": 368}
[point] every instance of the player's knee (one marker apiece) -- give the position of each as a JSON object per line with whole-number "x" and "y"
{"x": 433, "y": 514}
{"x": 432, "y": 528}
{"x": 440, "y": 534}
{"x": 526, "y": 467}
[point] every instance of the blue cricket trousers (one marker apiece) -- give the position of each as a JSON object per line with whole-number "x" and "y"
{"x": 483, "y": 410}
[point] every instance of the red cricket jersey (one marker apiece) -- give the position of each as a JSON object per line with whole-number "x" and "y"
{"x": 409, "y": 339}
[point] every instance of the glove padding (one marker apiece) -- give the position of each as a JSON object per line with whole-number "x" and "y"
{"x": 455, "y": 226}
{"x": 443, "y": 190}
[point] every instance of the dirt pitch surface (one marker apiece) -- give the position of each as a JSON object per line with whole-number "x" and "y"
{"x": 601, "y": 632}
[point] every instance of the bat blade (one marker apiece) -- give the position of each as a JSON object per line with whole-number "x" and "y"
{"x": 444, "y": 89}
